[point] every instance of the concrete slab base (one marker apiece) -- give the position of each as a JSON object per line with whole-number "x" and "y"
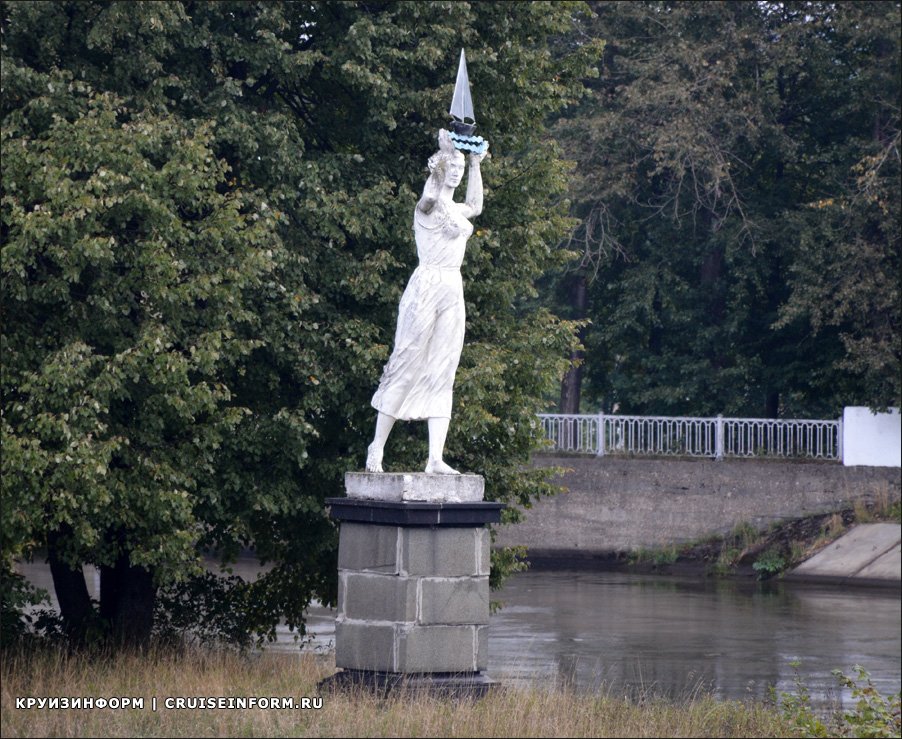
{"x": 886, "y": 568}
{"x": 869, "y": 554}
{"x": 472, "y": 685}
{"x": 414, "y": 486}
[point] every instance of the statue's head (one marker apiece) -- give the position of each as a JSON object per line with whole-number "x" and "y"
{"x": 448, "y": 166}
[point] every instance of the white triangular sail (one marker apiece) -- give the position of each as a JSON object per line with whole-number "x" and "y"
{"x": 462, "y": 104}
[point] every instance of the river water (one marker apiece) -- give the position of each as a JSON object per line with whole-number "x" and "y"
{"x": 671, "y": 636}
{"x": 665, "y": 635}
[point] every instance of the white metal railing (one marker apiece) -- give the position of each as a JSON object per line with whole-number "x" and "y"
{"x": 718, "y": 437}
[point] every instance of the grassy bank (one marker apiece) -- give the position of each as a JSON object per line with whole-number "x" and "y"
{"x": 507, "y": 712}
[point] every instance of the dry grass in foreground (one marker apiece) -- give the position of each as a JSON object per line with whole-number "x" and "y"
{"x": 507, "y": 712}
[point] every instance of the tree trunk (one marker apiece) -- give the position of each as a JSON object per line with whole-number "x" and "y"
{"x": 772, "y": 405}
{"x": 710, "y": 282}
{"x": 656, "y": 330}
{"x": 133, "y": 622}
{"x": 127, "y": 598}
{"x": 571, "y": 384}
{"x": 75, "y": 604}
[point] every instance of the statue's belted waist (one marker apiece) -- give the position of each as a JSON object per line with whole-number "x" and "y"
{"x": 434, "y": 273}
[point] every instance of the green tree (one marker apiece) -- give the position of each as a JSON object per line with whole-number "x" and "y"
{"x": 206, "y": 231}
{"x": 738, "y": 175}
{"x": 847, "y": 255}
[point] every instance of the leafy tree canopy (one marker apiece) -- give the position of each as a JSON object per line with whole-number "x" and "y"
{"x": 206, "y": 214}
{"x": 739, "y": 185}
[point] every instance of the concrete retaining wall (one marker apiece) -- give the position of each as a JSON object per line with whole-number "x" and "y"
{"x": 619, "y": 505}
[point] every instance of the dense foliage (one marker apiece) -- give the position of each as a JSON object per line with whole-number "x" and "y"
{"x": 739, "y": 189}
{"x": 206, "y": 214}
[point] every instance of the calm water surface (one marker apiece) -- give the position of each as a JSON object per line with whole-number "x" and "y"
{"x": 665, "y": 635}
{"x": 671, "y": 636}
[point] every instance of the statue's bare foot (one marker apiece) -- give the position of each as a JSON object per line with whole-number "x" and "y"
{"x": 373, "y": 459}
{"x": 437, "y": 467}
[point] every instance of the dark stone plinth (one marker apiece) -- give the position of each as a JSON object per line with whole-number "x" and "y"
{"x": 390, "y": 513}
{"x": 413, "y": 586}
{"x": 472, "y": 685}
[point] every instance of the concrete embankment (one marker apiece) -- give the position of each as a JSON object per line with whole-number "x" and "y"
{"x": 620, "y": 505}
{"x": 869, "y": 554}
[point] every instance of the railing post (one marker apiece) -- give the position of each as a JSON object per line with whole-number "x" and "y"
{"x": 718, "y": 439}
{"x": 839, "y": 449}
{"x": 600, "y": 422}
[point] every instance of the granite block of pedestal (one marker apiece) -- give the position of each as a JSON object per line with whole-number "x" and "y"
{"x": 368, "y": 596}
{"x": 441, "y": 648}
{"x": 365, "y": 645}
{"x": 405, "y": 550}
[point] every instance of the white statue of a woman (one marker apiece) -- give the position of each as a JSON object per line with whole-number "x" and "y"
{"x": 418, "y": 379}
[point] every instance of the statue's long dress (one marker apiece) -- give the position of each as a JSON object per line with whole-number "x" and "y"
{"x": 418, "y": 379}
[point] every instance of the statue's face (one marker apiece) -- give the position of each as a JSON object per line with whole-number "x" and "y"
{"x": 455, "y": 172}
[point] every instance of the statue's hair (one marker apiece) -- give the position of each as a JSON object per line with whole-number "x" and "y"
{"x": 438, "y": 162}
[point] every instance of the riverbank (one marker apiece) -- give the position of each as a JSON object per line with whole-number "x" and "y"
{"x": 210, "y": 675}
{"x": 746, "y": 553}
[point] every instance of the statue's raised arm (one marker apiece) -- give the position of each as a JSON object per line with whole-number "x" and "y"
{"x": 473, "y": 205}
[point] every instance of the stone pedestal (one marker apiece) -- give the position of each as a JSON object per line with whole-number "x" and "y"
{"x": 413, "y": 588}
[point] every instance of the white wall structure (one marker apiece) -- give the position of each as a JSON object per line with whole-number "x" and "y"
{"x": 871, "y": 440}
